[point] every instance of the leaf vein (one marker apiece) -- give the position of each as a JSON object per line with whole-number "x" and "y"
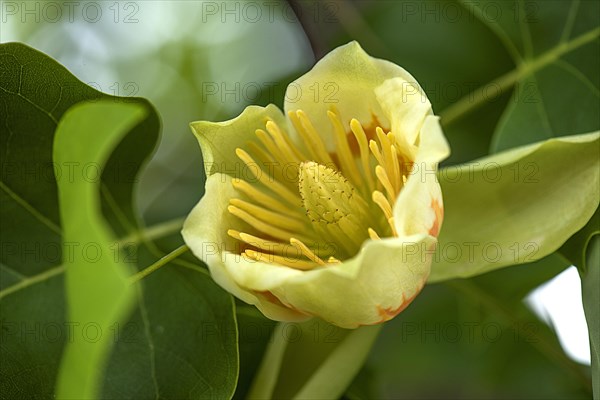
{"x": 33, "y": 280}
{"x": 577, "y": 74}
{"x": 573, "y": 10}
{"x": 541, "y": 107}
{"x": 13, "y": 271}
{"x": 38, "y": 215}
{"x": 476, "y": 11}
{"x": 148, "y": 334}
{"x": 32, "y": 103}
{"x": 524, "y": 31}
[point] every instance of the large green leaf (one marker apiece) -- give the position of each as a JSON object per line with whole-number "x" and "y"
{"x": 517, "y": 206}
{"x": 35, "y": 93}
{"x": 512, "y": 284}
{"x": 555, "y": 46}
{"x": 255, "y": 331}
{"x": 180, "y": 342}
{"x": 98, "y": 292}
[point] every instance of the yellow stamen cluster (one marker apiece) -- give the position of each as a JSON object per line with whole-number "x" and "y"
{"x": 322, "y": 214}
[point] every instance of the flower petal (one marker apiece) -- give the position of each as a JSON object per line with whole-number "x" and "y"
{"x": 419, "y": 208}
{"x": 346, "y": 78}
{"x": 406, "y": 105}
{"x": 370, "y": 288}
{"x": 218, "y": 140}
{"x": 204, "y": 231}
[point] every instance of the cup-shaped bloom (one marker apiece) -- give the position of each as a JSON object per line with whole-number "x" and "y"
{"x": 332, "y": 210}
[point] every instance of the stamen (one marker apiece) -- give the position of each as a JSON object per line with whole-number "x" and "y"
{"x": 373, "y": 235}
{"x": 343, "y": 149}
{"x": 393, "y": 226}
{"x": 262, "y": 155}
{"x": 277, "y": 219}
{"x": 375, "y": 150}
{"x": 272, "y": 148}
{"x": 383, "y": 178}
{"x": 299, "y": 154}
{"x": 262, "y": 244}
{"x": 264, "y": 227}
{"x": 311, "y": 146}
{"x": 382, "y": 202}
{"x": 313, "y": 137}
{"x": 275, "y": 186}
{"x": 274, "y": 259}
{"x": 306, "y": 251}
{"x": 260, "y": 196}
{"x": 277, "y": 136}
{"x": 363, "y": 146}
{"x": 386, "y": 146}
{"x": 396, "y": 169}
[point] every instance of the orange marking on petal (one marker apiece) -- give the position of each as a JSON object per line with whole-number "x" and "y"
{"x": 438, "y": 209}
{"x": 388, "y": 313}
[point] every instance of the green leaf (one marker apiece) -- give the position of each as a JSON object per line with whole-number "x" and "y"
{"x": 575, "y": 248}
{"x": 514, "y": 283}
{"x": 97, "y": 289}
{"x": 312, "y": 360}
{"x": 463, "y": 340}
{"x": 364, "y": 386}
{"x": 148, "y": 348}
{"x": 550, "y": 61}
{"x": 255, "y": 331}
{"x": 180, "y": 342}
{"x": 517, "y": 206}
{"x": 35, "y": 92}
{"x": 590, "y": 286}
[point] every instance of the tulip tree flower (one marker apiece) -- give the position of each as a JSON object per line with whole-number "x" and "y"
{"x": 333, "y": 209}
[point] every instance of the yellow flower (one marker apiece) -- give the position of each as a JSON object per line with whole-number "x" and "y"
{"x": 333, "y": 211}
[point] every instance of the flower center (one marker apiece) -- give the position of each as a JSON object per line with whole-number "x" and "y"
{"x": 304, "y": 207}
{"x": 333, "y": 205}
